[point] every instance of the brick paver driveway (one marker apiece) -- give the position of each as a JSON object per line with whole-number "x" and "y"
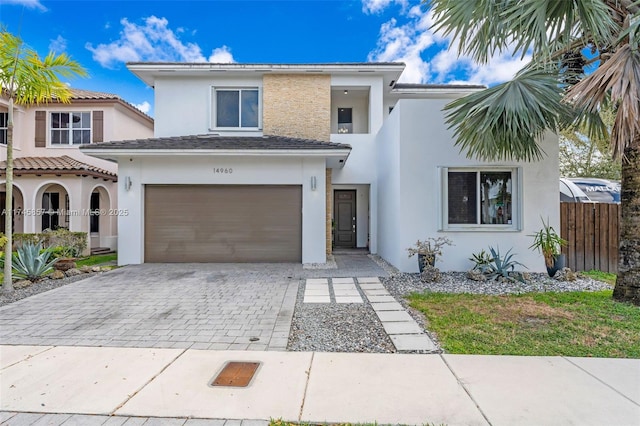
{"x": 199, "y": 306}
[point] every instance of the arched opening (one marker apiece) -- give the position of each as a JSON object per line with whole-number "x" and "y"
{"x": 18, "y": 209}
{"x": 99, "y": 219}
{"x": 52, "y": 204}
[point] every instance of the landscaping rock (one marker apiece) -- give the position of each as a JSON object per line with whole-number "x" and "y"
{"x": 476, "y": 275}
{"x": 85, "y": 269}
{"x": 72, "y": 272}
{"x": 566, "y": 274}
{"x": 22, "y": 284}
{"x": 57, "y": 275}
{"x": 96, "y": 269}
{"x": 106, "y": 268}
{"x": 430, "y": 274}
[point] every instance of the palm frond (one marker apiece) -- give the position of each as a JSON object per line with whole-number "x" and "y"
{"x": 505, "y": 121}
{"x": 31, "y": 79}
{"x": 486, "y": 27}
{"x": 619, "y": 79}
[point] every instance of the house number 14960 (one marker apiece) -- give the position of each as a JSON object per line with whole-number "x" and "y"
{"x": 223, "y": 170}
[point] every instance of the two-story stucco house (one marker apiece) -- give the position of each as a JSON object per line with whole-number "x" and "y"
{"x": 280, "y": 163}
{"x": 56, "y": 185}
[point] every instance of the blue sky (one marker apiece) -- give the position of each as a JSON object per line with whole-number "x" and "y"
{"x": 104, "y": 35}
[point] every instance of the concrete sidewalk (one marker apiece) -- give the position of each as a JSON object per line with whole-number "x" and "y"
{"x": 169, "y": 386}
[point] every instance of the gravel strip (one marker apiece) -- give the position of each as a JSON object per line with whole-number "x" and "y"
{"x": 401, "y": 284}
{"x": 40, "y": 287}
{"x": 333, "y": 327}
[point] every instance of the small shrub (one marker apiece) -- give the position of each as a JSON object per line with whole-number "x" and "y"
{"x": 480, "y": 259}
{"x": 3, "y": 240}
{"x": 74, "y": 243}
{"x": 29, "y": 263}
{"x": 501, "y": 267}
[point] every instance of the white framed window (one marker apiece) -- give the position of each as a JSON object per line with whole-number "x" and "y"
{"x": 485, "y": 198}
{"x": 236, "y": 108}
{"x": 4, "y": 122}
{"x": 70, "y": 128}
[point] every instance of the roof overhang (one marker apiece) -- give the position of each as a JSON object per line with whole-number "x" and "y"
{"x": 335, "y": 158}
{"x": 149, "y": 71}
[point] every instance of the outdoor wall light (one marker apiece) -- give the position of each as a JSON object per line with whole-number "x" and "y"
{"x": 127, "y": 183}
{"x": 346, "y": 92}
{"x": 313, "y": 183}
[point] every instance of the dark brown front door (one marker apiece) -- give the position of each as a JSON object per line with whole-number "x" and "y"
{"x": 344, "y": 212}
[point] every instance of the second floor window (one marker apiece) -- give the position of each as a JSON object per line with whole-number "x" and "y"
{"x": 70, "y": 128}
{"x": 236, "y": 108}
{"x": 4, "y": 120}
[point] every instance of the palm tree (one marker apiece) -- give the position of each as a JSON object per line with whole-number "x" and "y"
{"x": 566, "y": 40}
{"x": 27, "y": 80}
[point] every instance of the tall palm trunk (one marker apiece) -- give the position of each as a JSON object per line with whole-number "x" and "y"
{"x": 7, "y": 286}
{"x": 628, "y": 282}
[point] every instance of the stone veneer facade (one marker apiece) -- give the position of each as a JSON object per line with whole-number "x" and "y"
{"x": 299, "y": 106}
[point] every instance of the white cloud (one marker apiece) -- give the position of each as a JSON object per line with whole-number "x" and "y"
{"x": 221, "y": 55}
{"x": 405, "y": 43}
{"x": 154, "y": 41}
{"x": 31, "y": 4}
{"x": 144, "y": 107}
{"x": 377, "y": 6}
{"x": 58, "y": 45}
{"x": 409, "y": 42}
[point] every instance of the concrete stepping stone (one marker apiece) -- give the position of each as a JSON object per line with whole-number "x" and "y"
{"x": 380, "y": 299}
{"x": 376, "y": 292}
{"x": 342, "y": 280}
{"x": 372, "y": 287}
{"x": 387, "y": 306}
{"x": 363, "y": 280}
{"x": 404, "y": 327}
{"x": 412, "y": 342}
{"x": 316, "y": 291}
{"x": 317, "y": 281}
{"x": 349, "y": 299}
{"x": 394, "y": 316}
{"x": 316, "y": 299}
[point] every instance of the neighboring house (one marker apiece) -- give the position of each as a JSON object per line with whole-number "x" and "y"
{"x": 275, "y": 162}
{"x": 56, "y": 185}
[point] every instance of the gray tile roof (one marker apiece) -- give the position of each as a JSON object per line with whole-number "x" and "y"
{"x": 213, "y": 142}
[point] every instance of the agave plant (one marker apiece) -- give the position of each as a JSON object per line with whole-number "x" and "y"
{"x": 29, "y": 263}
{"x": 501, "y": 267}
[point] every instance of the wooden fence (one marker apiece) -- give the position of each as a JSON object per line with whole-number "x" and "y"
{"x": 593, "y": 233}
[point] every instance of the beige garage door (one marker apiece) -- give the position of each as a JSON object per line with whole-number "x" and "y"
{"x": 223, "y": 223}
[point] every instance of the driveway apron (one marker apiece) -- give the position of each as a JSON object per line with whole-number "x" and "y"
{"x": 197, "y": 306}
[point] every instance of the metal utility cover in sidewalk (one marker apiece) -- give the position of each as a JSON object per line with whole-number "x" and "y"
{"x": 236, "y": 374}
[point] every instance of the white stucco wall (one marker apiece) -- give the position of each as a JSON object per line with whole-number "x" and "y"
{"x": 389, "y": 199}
{"x": 183, "y": 106}
{"x": 248, "y": 170}
{"x": 412, "y": 147}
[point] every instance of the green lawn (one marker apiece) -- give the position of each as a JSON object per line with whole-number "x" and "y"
{"x": 571, "y": 324}
{"x": 97, "y": 260}
{"x": 606, "y": 277}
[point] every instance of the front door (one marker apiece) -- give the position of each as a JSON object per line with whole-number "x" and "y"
{"x": 344, "y": 212}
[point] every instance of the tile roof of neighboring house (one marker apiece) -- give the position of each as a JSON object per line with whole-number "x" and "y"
{"x": 55, "y": 165}
{"x": 213, "y": 142}
{"x": 437, "y": 86}
{"x": 90, "y": 94}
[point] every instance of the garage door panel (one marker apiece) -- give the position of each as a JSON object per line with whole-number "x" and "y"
{"x": 214, "y": 223}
